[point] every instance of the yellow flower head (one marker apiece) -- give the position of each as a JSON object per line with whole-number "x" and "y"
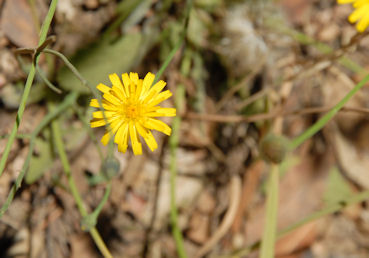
{"x": 130, "y": 110}
{"x": 360, "y": 15}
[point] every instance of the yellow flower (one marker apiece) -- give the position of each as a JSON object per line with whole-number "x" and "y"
{"x": 360, "y": 15}
{"x": 130, "y": 110}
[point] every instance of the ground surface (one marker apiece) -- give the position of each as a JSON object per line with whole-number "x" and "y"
{"x": 284, "y": 59}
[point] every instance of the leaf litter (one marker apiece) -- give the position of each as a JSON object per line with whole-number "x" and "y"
{"x": 226, "y": 41}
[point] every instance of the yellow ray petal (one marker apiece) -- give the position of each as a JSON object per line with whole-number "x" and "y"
{"x": 154, "y": 91}
{"x": 136, "y": 145}
{"x": 134, "y": 77}
{"x": 358, "y": 13}
{"x": 105, "y": 139}
{"x": 99, "y": 114}
{"x": 112, "y": 99}
{"x": 115, "y": 125}
{"x": 359, "y": 3}
{"x": 138, "y": 90}
{"x": 364, "y": 21}
{"x": 155, "y": 124}
{"x": 94, "y": 103}
{"x": 121, "y": 138}
{"x": 106, "y": 105}
{"x": 103, "y": 88}
{"x": 126, "y": 83}
{"x": 117, "y": 86}
{"x": 160, "y": 97}
{"x": 148, "y": 80}
{"x": 97, "y": 123}
{"x": 148, "y": 137}
{"x": 162, "y": 112}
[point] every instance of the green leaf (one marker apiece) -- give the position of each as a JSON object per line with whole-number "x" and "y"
{"x": 338, "y": 190}
{"x": 99, "y": 60}
{"x": 42, "y": 161}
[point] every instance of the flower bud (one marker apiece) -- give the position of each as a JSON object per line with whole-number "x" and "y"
{"x": 110, "y": 167}
{"x": 273, "y": 148}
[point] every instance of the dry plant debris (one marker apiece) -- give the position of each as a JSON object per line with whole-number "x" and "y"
{"x": 247, "y": 68}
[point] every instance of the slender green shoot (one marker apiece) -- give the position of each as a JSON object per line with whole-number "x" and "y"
{"x": 324, "y": 120}
{"x": 27, "y": 87}
{"x": 358, "y": 198}
{"x": 47, "y": 82}
{"x": 85, "y": 83}
{"x": 173, "y": 145}
{"x": 68, "y": 101}
{"x": 179, "y": 43}
{"x": 270, "y": 225}
{"x": 73, "y": 188}
{"x": 90, "y": 220}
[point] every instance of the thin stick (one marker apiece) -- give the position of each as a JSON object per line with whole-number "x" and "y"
{"x": 234, "y": 199}
{"x": 233, "y": 91}
{"x": 264, "y": 116}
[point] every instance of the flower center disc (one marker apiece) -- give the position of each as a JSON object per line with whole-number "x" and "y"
{"x": 132, "y": 111}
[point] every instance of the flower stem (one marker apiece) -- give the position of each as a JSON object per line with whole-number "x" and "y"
{"x": 86, "y": 84}
{"x": 324, "y": 120}
{"x": 173, "y": 144}
{"x": 357, "y": 198}
{"x": 27, "y": 87}
{"x": 73, "y": 188}
{"x": 68, "y": 101}
{"x": 270, "y": 225}
{"x": 179, "y": 43}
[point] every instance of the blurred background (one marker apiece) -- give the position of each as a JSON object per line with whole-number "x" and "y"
{"x": 247, "y": 68}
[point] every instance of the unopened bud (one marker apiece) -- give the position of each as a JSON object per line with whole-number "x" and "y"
{"x": 273, "y": 148}
{"x": 110, "y": 167}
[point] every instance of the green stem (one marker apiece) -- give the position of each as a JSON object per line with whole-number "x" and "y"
{"x": 71, "y": 67}
{"x": 68, "y": 101}
{"x": 173, "y": 144}
{"x": 105, "y": 198}
{"x": 18, "y": 136}
{"x": 270, "y": 225}
{"x": 360, "y": 197}
{"x": 27, "y": 87}
{"x": 86, "y": 84}
{"x": 73, "y": 188}
{"x": 179, "y": 43}
{"x": 322, "y": 121}
{"x": 47, "y": 82}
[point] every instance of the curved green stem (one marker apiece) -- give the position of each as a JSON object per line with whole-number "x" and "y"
{"x": 27, "y": 87}
{"x": 86, "y": 84}
{"x": 73, "y": 188}
{"x": 68, "y": 101}
{"x": 322, "y": 121}
{"x": 99, "y": 207}
{"x": 47, "y": 82}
